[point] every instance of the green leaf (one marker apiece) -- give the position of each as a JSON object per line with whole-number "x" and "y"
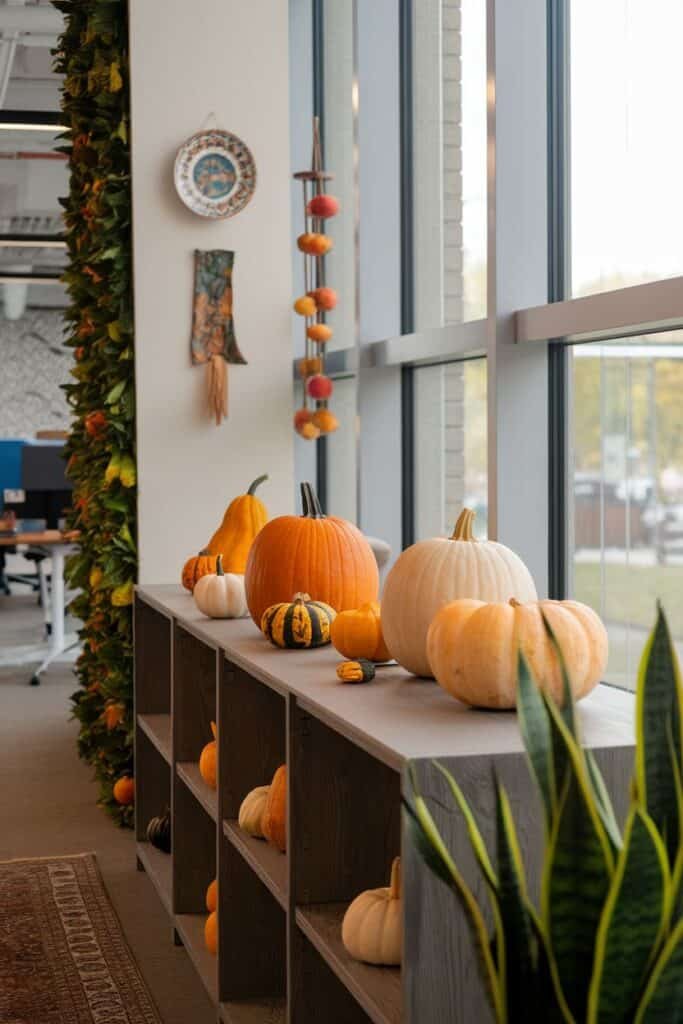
{"x": 658, "y": 732}
{"x": 520, "y": 950}
{"x": 603, "y": 801}
{"x": 536, "y": 730}
{"x": 576, "y": 875}
{"x": 550, "y": 1004}
{"x": 475, "y": 836}
{"x": 434, "y": 852}
{"x": 116, "y": 392}
{"x": 662, "y": 1001}
{"x": 632, "y": 921}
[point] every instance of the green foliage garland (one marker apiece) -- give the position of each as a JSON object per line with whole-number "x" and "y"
{"x": 93, "y": 58}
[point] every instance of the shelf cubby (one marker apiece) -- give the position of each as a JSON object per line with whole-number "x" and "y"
{"x": 280, "y": 957}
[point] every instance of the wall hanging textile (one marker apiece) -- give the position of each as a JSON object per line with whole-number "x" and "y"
{"x": 215, "y": 174}
{"x": 314, "y": 418}
{"x": 213, "y": 333}
{"x": 92, "y": 56}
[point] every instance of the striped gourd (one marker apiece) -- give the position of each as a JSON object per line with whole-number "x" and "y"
{"x": 300, "y": 622}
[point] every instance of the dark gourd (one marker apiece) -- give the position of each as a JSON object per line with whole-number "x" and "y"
{"x": 359, "y": 671}
{"x": 159, "y": 832}
{"x": 298, "y": 623}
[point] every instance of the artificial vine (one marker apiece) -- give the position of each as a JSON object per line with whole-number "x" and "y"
{"x": 93, "y": 58}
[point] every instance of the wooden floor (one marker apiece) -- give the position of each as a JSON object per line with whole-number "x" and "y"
{"x": 47, "y": 807}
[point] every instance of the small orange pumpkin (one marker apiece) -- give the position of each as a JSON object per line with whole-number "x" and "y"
{"x": 196, "y": 567}
{"x": 211, "y": 933}
{"x": 358, "y": 633}
{"x": 207, "y": 760}
{"x": 274, "y": 821}
{"x": 325, "y": 421}
{"x": 212, "y": 896}
{"x": 124, "y": 790}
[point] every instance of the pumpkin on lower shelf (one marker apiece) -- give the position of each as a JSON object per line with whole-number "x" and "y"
{"x": 211, "y": 933}
{"x": 207, "y": 760}
{"x": 372, "y": 929}
{"x": 473, "y": 647}
{"x": 358, "y": 633}
{"x": 196, "y": 567}
{"x": 244, "y": 518}
{"x": 434, "y": 572}
{"x": 212, "y": 896}
{"x": 359, "y": 671}
{"x": 251, "y": 811}
{"x": 220, "y": 595}
{"x": 299, "y": 623}
{"x": 274, "y": 820}
{"x": 159, "y": 832}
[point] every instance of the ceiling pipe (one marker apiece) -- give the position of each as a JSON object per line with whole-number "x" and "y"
{"x": 45, "y": 20}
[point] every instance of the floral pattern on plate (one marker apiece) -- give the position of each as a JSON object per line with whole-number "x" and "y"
{"x": 215, "y": 174}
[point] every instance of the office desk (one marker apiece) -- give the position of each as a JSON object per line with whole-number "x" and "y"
{"x": 58, "y": 544}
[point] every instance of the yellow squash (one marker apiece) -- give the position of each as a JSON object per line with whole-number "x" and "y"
{"x": 245, "y": 516}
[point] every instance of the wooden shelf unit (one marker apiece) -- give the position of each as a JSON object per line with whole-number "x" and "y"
{"x": 281, "y": 958}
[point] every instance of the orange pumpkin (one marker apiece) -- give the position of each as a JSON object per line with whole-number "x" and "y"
{"x": 244, "y": 517}
{"x": 207, "y": 760}
{"x": 325, "y": 421}
{"x": 211, "y": 933}
{"x": 358, "y": 634}
{"x": 196, "y": 567}
{"x": 124, "y": 790}
{"x": 274, "y": 820}
{"x": 326, "y": 557}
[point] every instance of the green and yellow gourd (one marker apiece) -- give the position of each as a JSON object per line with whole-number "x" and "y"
{"x": 299, "y": 623}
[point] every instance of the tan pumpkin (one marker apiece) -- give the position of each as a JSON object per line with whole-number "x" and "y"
{"x": 245, "y": 516}
{"x": 274, "y": 820}
{"x": 196, "y": 567}
{"x": 358, "y": 633}
{"x": 220, "y": 595}
{"x": 473, "y": 648}
{"x": 208, "y": 758}
{"x": 251, "y": 811}
{"x": 372, "y": 929}
{"x": 432, "y": 573}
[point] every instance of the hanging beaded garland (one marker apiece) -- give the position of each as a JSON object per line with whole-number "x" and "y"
{"x": 314, "y": 418}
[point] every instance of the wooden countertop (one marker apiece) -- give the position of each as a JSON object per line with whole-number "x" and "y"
{"x": 41, "y": 537}
{"x": 396, "y": 717}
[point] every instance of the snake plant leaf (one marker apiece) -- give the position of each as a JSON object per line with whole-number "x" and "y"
{"x": 604, "y": 802}
{"x": 577, "y": 872}
{"x": 436, "y": 856}
{"x": 662, "y": 1001}
{"x": 568, "y": 708}
{"x": 475, "y": 836}
{"x": 520, "y": 944}
{"x": 659, "y": 701}
{"x": 631, "y": 925}
{"x": 536, "y": 730}
{"x": 551, "y": 1006}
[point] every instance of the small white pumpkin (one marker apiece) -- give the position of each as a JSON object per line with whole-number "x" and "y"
{"x": 251, "y": 811}
{"x": 220, "y": 595}
{"x": 372, "y": 929}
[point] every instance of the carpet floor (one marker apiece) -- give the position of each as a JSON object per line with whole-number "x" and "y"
{"x": 47, "y": 808}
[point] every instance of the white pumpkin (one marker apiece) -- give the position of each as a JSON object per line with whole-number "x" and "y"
{"x": 221, "y": 595}
{"x": 372, "y": 929}
{"x": 251, "y": 811}
{"x": 432, "y": 573}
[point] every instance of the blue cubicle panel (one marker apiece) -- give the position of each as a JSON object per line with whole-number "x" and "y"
{"x": 10, "y": 465}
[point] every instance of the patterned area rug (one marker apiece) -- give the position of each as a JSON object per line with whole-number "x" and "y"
{"x": 63, "y": 956}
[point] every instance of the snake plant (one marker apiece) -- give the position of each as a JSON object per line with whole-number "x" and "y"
{"x": 606, "y": 944}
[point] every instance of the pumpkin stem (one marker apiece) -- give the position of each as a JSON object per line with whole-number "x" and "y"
{"x": 463, "y": 527}
{"x": 219, "y": 565}
{"x": 310, "y": 503}
{"x": 203, "y": 553}
{"x": 213, "y": 730}
{"x": 514, "y": 603}
{"x": 256, "y": 483}
{"x": 395, "y": 883}
{"x": 301, "y": 598}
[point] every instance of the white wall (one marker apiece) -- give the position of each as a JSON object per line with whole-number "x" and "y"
{"x": 188, "y": 59}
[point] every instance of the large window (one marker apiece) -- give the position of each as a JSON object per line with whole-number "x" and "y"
{"x": 626, "y": 154}
{"x": 627, "y": 470}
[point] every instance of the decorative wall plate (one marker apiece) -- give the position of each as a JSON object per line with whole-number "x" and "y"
{"x": 215, "y": 174}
